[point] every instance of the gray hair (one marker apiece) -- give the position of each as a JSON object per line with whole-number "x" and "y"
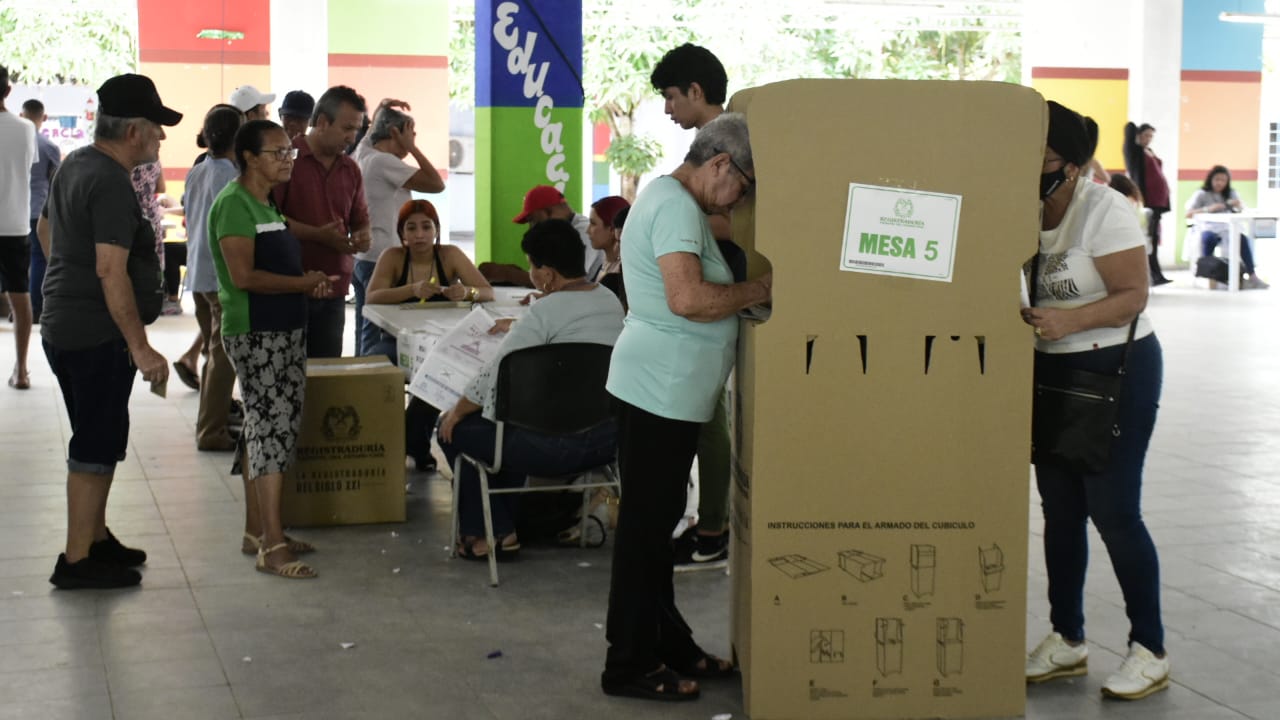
{"x": 110, "y": 127}
{"x": 387, "y": 118}
{"x": 726, "y": 134}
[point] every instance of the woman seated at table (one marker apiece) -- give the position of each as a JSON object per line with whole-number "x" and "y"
{"x": 571, "y": 310}
{"x": 1217, "y": 196}
{"x": 600, "y": 232}
{"x": 421, "y": 270}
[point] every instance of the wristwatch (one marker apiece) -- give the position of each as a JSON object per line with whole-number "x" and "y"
{"x": 473, "y": 293}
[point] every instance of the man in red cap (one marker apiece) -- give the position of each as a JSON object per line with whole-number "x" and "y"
{"x": 101, "y": 290}
{"x": 544, "y": 202}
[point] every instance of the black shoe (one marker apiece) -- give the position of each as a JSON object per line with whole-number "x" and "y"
{"x": 708, "y": 552}
{"x": 424, "y": 463}
{"x": 91, "y": 573}
{"x": 684, "y": 546}
{"x": 111, "y": 551}
{"x": 1157, "y": 282}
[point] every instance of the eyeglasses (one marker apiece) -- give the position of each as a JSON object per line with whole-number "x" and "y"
{"x": 751, "y": 182}
{"x": 282, "y": 154}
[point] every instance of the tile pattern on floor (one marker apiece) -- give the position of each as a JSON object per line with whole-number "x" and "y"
{"x": 206, "y": 637}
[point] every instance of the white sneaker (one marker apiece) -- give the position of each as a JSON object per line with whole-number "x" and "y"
{"x": 1141, "y": 674}
{"x": 1055, "y": 658}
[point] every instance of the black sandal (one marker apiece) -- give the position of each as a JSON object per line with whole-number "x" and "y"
{"x": 662, "y": 684}
{"x": 466, "y": 550}
{"x": 712, "y": 667}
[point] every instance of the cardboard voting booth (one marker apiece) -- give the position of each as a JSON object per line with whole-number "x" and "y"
{"x": 350, "y": 460}
{"x": 882, "y": 414}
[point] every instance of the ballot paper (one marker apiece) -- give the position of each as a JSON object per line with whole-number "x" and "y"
{"x": 455, "y": 359}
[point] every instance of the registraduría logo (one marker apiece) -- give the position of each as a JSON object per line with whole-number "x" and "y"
{"x": 341, "y": 424}
{"x": 904, "y": 208}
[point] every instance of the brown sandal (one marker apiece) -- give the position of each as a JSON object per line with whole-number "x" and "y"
{"x": 294, "y": 570}
{"x": 251, "y": 545}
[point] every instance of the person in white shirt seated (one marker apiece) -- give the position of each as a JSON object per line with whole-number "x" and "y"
{"x": 572, "y": 309}
{"x": 1217, "y": 196}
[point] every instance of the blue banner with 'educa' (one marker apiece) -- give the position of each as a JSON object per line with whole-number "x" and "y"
{"x": 529, "y": 53}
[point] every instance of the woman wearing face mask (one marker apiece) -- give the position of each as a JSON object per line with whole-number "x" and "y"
{"x": 1217, "y": 196}
{"x": 421, "y": 270}
{"x": 1090, "y": 283}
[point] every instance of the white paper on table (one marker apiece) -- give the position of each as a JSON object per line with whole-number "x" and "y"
{"x": 455, "y": 359}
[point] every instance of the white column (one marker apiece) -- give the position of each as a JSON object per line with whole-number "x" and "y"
{"x": 1155, "y": 96}
{"x": 299, "y": 48}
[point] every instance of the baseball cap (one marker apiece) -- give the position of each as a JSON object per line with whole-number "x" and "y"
{"x": 247, "y": 97}
{"x": 297, "y": 104}
{"x": 130, "y": 96}
{"x": 540, "y": 197}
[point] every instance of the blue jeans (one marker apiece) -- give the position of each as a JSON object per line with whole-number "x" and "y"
{"x": 1209, "y": 241}
{"x": 1111, "y": 498}
{"x": 523, "y": 453}
{"x": 366, "y": 332}
{"x": 382, "y": 343}
{"x": 38, "y": 265}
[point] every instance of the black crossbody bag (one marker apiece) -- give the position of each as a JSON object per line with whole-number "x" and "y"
{"x": 1075, "y": 413}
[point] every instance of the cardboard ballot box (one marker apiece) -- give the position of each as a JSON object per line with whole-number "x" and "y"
{"x": 882, "y": 414}
{"x": 350, "y": 461}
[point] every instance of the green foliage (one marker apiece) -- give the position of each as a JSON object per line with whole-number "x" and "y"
{"x": 77, "y": 41}
{"x": 758, "y": 43}
{"x": 633, "y": 154}
{"x": 462, "y": 56}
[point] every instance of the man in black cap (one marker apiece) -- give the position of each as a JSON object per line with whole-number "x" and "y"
{"x": 102, "y": 287}
{"x": 295, "y": 113}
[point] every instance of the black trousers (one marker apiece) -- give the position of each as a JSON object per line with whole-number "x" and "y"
{"x": 644, "y": 627}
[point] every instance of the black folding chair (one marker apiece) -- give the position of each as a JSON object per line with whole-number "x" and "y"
{"x": 553, "y": 389}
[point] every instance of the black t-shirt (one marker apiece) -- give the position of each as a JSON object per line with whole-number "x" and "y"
{"x": 91, "y": 202}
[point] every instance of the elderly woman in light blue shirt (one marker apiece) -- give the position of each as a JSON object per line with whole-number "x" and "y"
{"x": 668, "y": 370}
{"x": 572, "y": 310}
{"x": 204, "y": 182}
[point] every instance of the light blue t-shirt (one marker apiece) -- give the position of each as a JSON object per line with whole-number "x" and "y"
{"x": 204, "y": 182}
{"x": 665, "y": 364}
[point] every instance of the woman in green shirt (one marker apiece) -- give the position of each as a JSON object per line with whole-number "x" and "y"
{"x": 263, "y": 291}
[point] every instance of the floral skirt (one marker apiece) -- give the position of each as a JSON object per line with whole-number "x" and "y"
{"x": 272, "y": 368}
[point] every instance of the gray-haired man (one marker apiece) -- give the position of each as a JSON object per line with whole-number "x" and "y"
{"x": 102, "y": 287}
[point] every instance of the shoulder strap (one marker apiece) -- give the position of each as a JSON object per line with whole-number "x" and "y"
{"x": 443, "y": 282}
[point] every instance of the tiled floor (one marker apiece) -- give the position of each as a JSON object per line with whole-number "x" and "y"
{"x": 206, "y": 637}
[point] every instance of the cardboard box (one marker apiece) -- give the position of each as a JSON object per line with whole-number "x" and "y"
{"x": 882, "y": 415}
{"x": 350, "y": 461}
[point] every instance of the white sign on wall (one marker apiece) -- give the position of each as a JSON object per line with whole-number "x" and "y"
{"x": 906, "y": 233}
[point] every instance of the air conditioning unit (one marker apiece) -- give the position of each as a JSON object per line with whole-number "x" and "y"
{"x": 462, "y": 155}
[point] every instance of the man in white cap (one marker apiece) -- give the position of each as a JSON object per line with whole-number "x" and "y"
{"x": 252, "y": 102}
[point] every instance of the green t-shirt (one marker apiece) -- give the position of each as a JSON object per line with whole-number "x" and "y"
{"x": 663, "y": 363}
{"x": 237, "y": 213}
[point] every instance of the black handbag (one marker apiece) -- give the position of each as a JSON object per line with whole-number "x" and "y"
{"x": 1074, "y": 413}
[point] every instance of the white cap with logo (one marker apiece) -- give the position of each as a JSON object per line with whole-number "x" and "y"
{"x": 247, "y": 97}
